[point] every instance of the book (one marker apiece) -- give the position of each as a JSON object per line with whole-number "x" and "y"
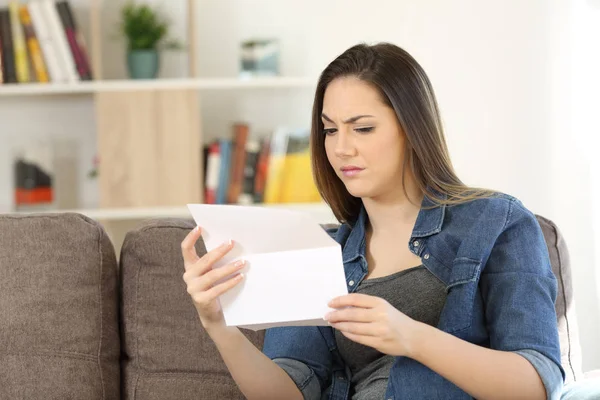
{"x": 75, "y": 40}
{"x": 224, "y": 168}
{"x": 49, "y": 46}
{"x": 213, "y": 168}
{"x": 289, "y": 172}
{"x": 1, "y": 61}
{"x": 59, "y": 39}
{"x": 262, "y": 165}
{"x": 252, "y": 154}
{"x": 10, "y": 71}
{"x": 37, "y": 59}
{"x": 19, "y": 47}
{"x": 298, "y": 184}
{"x": 276, "y": 166}
{"x": 238, "y": 162}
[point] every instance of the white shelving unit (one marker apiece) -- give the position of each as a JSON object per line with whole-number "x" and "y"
{"x": 319, "y": 211}
{"x": 132, "y": 118}
{"x": 35, "y": 89}
{"x": 117, "y": 222}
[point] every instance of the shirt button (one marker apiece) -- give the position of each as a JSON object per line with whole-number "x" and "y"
{"x": 426, "y": 256}
{"x": 351, "y": 283}
{"x": 416, "y": 243}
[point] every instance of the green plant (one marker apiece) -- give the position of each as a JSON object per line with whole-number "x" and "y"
{"x": 143, "y": 28}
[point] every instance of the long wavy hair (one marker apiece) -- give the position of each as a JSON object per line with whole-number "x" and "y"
{"x": 404, "y": 87}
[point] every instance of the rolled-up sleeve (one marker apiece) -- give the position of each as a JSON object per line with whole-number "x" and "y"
{"x": 303, "y": 353}
{"x": 549, "y": 373}
{"x": 519, "y": 290}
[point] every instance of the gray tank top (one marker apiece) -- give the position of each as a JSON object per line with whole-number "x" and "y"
{"x": 415, "y": 292}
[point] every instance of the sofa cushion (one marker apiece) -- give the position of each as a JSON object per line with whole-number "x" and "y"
{"x": 58, "y": 309}
{"x": 570, "y": 350}
{"x": 166, "y": 352}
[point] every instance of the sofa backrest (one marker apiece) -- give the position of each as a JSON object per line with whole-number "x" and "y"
{"x": 166, "y": 352}
{"x": 568, "y": 331}
{"x": 59, "y": 336}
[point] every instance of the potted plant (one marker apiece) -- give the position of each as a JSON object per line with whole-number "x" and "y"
{"x": 145, "y": 31}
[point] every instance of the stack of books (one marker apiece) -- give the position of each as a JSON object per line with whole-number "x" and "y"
{"x": 247, "y": 170}
{"x": 40, "y": 42}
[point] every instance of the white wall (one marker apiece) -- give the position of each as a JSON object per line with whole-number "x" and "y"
{"x": 509, "y": 81}
{"x": 513, "y": 79}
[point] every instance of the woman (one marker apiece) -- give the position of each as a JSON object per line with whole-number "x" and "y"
{"x": 451, "y": 290}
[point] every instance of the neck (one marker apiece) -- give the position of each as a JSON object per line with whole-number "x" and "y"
{"x": 395, "y": 211}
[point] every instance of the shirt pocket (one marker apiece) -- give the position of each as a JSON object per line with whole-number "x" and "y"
{"x": 461, "y": 288}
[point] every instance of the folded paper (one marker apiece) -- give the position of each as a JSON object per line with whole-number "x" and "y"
{"x": 293, "y": 267}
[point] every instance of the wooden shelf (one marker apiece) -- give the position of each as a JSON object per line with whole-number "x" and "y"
{"x": 36, "y": 89}
{"x": 319, "y": 211}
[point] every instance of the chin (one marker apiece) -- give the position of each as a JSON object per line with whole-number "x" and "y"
{"x": 360, "y": 191}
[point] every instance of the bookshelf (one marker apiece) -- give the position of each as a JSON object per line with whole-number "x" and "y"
{"x": 320, "y": 211}
{"x": 149, "y": 132}
{"x": 119, "y": 221}
{"x": 37, "y": 89}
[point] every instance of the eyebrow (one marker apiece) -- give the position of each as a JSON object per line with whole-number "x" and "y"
{"x": 349, "y": 120}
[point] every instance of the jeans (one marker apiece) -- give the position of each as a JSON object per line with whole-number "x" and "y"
{"x": 583, "y": 390}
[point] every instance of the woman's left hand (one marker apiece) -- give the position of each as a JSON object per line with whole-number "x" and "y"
{"x": 373, "y": 322}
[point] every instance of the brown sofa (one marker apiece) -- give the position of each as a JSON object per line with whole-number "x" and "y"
{"x": 75, "y": 323}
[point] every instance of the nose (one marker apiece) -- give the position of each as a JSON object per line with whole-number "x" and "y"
{"x": 344, "y": 146}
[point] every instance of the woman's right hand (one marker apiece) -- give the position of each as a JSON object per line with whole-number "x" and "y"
{"x": 201, "y": 279}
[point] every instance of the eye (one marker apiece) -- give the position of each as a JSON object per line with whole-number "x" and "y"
{"x": 329, "y": 131}
{"x": 365, "y": 129}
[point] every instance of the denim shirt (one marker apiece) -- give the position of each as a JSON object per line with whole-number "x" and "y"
{"x": 491, "y": 256}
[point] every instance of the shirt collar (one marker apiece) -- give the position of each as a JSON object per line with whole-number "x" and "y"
{"x": 430, "y": 218}
{"x": 429, "y": 222}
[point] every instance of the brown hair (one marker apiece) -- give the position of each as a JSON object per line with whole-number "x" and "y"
{"x": 404, "y": 87}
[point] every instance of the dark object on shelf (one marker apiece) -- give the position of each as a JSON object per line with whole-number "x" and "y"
{"x": 33, "y": 186}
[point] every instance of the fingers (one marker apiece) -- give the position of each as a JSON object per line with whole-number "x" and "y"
{"x": 188, "y": 249}
{"x": 216, "y": 254}
{"x": 206, "y": 262}
{"x": 221, "y": 288}
{"x": 356, "y": 328}
{"x": 355, "y": 300}
{"x": 351, "y": 314}
{"x": 206, "y": 297}
{"x": 208, "y": 280}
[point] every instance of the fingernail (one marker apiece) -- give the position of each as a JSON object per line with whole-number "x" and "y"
{"x": 239, "y": 263}
{"x": 326, "y": 317}
{"x": 230, "y": 242}
{"x": 241, "y": 275}
{"x": 197, "y": 228}
{"x": 226, "y": 244}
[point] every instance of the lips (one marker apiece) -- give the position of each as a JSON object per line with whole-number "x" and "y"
{"x": 351, "y": 170}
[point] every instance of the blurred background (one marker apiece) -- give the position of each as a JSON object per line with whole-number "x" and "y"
{"x": 211, "y": 102}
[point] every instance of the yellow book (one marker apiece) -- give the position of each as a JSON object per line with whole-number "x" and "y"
{"x": 298, "y": 185}
{"x": 20, "y": 49}
{"x": 289, "y": 174}
{"x": 37, "y": 60}
{"x": 275, "y": 173}
{"x": 275, "y": 168}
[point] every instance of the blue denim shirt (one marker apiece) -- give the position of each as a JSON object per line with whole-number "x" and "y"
{"x": 491, "y": 256}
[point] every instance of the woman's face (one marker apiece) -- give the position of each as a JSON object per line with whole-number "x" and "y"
{"x": 364, "y": 141}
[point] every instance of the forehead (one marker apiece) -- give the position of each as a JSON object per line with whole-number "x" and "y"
{"x": 348, "y": 96}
